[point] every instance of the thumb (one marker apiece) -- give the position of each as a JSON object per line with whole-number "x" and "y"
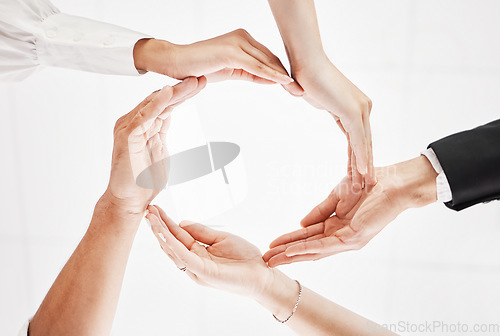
{"x": 294, "y": 89}
{"x": 200, "y": 232}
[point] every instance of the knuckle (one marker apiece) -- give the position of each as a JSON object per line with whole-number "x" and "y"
{"x": 155, "y": 104}
{"x": 261, "y": 66}
{"x": 241, "y": 32}
{"x": 119, "y": 123}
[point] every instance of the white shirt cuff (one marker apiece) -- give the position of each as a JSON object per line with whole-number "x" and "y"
{"x": 442, "y": 186}
{"x": 74, "y": 42}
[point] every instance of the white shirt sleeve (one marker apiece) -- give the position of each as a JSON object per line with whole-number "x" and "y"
{"x": 442, "y": 185}
{"x": 33, "y": 34}
{"x": 24, "y": 329}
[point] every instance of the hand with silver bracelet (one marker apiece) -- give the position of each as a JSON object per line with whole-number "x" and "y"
{"x": 224, "y": 261}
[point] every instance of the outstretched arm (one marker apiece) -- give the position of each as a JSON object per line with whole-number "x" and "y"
{"x": 37, "y": 34}
{"x": 224, "y": 261}
{"x": 324, "y": 85}
{"x": 467, "y": 164}
{"x": 83, "y": 298}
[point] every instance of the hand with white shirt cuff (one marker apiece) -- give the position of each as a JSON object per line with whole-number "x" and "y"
{"x": 232, "y": 56}
{"x": 37, "y": 34}
{"x": 350, "y": 217}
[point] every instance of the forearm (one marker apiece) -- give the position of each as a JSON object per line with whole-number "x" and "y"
{"x": 315, "y": 315}
{"x": 83, "y": 298}
{"x": 413, "y": 182}
{"x": 298, "y": 25}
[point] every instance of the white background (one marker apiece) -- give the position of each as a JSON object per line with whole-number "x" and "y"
{"x": 431, "y": 67}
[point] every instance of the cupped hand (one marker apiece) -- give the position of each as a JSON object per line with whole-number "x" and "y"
{"x": 139, "y": 141}
{"x": 326, "y": 88}
{"x": 211, "y": 258}
{"x": 350, "y": 217}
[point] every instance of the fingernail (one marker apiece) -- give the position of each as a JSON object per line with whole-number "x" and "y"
{"x": 162, "y": 237}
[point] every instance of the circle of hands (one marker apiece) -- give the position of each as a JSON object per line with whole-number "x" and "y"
{"x": 356, "y": 210}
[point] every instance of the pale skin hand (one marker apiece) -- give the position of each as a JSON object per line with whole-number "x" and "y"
{"x": 349, "y": 218}
{"x": 83, "y": 298}
{"x": 225, "y": 261}
{"x": 232, "y": 56}
{"x": 325, "y": 87}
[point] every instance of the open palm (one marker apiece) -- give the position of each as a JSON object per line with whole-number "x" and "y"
{"x": 347, "y": 220}
{"x": 211, "y": 258}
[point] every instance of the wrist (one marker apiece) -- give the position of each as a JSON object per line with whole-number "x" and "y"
{"x": 306, "y": 63}
{"x": 153, "y": 55}
{"x": 418, "y": 182}
{"x": 279, "y": 294}
{"x": 112, "y": 221}
{"x": 117, "y": 208}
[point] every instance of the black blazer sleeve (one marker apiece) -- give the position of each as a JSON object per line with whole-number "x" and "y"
{"x": 471, "y": 162}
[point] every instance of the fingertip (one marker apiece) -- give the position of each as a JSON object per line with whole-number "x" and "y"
{"x": 202, "y": 81}
{"x": 190, "y": 79}
{"x": 282, "y": 78}
{"x": 186, "y": 86}
{"x": 294, "y": 89}
{"x": 266, "y": 257}
{"x": 287, "y": 79}
{"x": 362, "y": 169}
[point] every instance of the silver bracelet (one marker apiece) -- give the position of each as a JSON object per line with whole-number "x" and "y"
{"x": 294, "y": 308}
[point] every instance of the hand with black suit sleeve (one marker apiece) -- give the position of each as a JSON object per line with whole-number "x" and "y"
{"x": 471, "y": 162}
{"x": 349, "y": 218}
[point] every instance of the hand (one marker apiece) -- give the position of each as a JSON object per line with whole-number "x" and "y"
{"x": 350, "y": 217}
{"x": 326, "y": 88}
{"x": 139, "y": 141}
{"x": 212, "y": 258}
{"x": 235, "y": 55}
